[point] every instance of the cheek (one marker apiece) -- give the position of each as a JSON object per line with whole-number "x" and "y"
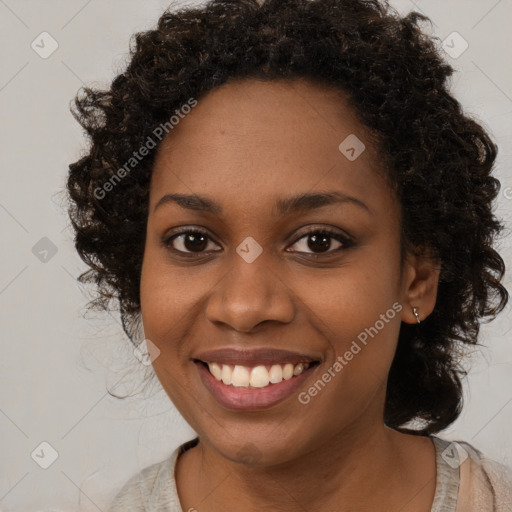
{"x": 362, "y": 343}
{"x": 349, "y": 300}
{"x": 164, "y": 310}
{"x": 358, "y": 314}
{"x": 166, "y": 296}
{"x": 163, "y": 315}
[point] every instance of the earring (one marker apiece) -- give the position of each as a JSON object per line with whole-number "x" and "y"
{"x": 415, "y": 311}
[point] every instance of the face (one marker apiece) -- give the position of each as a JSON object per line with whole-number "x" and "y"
{"x": 240, "y": 272}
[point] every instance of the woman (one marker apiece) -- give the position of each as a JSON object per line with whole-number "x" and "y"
{"x": 289, "y": 199}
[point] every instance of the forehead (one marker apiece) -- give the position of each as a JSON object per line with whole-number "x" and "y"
{"x": 251, "y": 142}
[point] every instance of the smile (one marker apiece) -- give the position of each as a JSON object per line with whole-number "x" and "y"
{"x": 259, "y": 376}
{"x": 244, "y": 388}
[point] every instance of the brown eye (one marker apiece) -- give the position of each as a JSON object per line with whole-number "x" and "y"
{"x": 321, "y": 241}
{"x": 190, "y": 241}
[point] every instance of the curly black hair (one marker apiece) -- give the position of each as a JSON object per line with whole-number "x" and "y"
{"x": 438, "y": 160}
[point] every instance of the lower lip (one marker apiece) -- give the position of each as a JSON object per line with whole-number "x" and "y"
{"x": 250, "y": 399}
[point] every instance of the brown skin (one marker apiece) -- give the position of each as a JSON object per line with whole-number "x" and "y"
{"x": 245, "y": 145}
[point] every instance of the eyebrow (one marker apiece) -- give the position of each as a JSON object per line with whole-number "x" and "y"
{"x": 285, "y": 206}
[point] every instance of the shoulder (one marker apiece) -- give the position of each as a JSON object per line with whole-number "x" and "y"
{"x": 138, "y": 493}
{"x": 150, "y": 489}
{"x": 484, "y": 484}
{"x": 485, "y": 479}
{"x": 154, "y": 488}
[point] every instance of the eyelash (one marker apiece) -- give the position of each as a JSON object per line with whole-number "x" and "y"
{"x": 331, "y": 233}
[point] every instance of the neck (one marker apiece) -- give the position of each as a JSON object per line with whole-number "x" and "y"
{"x": 358, "y": 469}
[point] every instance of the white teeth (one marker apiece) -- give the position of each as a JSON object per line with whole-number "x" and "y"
{"x": 226, "y": 374}
{"x": 288, "y": 371}
{"x": 298, "y": 369}
{"x": 215, "y": 370}
{"x": 275, "y": 374}
{"x": 240, "y": 377}
{"x": 258, "y": 377}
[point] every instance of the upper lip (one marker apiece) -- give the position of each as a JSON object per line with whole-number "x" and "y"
{"x": 248, "y": 357}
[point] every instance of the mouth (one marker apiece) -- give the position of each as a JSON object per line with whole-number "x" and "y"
{"x": 256, "y": 376}
{"x": 254, "y": 385}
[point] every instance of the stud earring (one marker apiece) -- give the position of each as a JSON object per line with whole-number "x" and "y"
{"x": 415, "y": 311}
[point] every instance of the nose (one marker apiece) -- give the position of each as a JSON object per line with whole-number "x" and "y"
{"x": 248, "y": 295}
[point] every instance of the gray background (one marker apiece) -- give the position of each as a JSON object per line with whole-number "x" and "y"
{"x": 55, "y": 364}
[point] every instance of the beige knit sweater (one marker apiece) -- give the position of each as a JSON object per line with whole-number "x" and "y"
{"x": 466, "y": 481}
{"x": 484, "y": 485}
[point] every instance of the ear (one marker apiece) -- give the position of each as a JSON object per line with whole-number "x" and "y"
{"x": 420, "y": 283}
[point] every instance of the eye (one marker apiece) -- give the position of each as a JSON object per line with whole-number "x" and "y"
{"x": 187, "y": 242}
{"x": 321, "y": 241}
{"x": 318, "y": 240}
